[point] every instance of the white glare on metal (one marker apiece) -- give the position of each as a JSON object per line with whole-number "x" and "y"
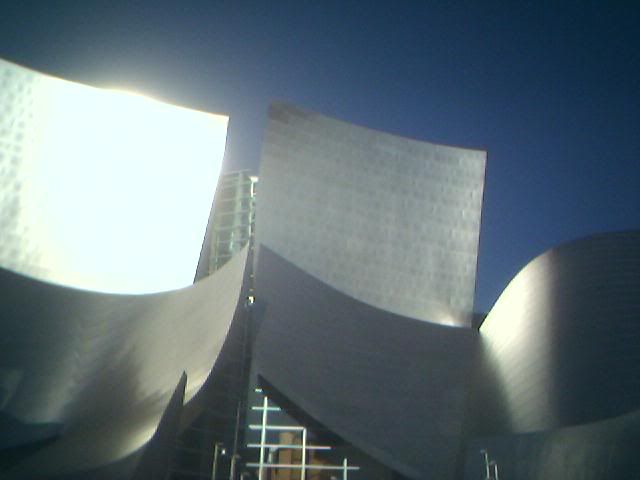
{"x": 504, "y": 334}
{"x": 103, "y": 190}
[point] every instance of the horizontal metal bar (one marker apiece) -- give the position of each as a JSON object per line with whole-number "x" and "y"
{"x": 298, "y": 466}
{"x": 277, "y": 427}
{"x": 282, "y": 445}
{"x": 246, "y": 210}
{"x": 271, "y": 409}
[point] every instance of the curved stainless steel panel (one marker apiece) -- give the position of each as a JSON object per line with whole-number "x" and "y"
{"x": 562, "y": 339}
{"x": 102, "y": 190}
{"x": 607, "y": 449}
{"x": 394, "y": 387}
{"x": 390, "y": 221}
{"x": 99, "y": 369}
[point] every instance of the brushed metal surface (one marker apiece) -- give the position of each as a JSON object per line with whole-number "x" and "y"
{"x": 390, "y": 221}
{"x": 563, "y": 339}
{"x": 102, "y": 367}
{"x": 394, "y": 387}
{"x": 603, "y": 450}
{"x": 101, "y": 189}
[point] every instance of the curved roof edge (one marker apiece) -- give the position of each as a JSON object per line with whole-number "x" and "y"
{"x": 560, "y": 340}
{"x": 93, "y": 193}
{"x": 87, "y": 355}
{"x": 303, "y": 110}
{"x": 392, "y": 222}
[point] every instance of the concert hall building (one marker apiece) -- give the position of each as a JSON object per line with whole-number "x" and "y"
{"x": 163, "y": 320}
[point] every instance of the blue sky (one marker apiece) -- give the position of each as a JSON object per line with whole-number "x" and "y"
{"x": 550, "y": 89}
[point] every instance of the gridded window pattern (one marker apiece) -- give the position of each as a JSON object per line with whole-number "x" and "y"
{"x": 233, "y": 216}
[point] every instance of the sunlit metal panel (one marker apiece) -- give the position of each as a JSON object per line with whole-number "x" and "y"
{"x": 97, "y": 370}
{"x": 102, "y": 190}
{"x": 390, "y": 221}
{"x": 562, "y": 339}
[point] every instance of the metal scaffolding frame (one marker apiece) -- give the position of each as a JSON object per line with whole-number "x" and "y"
{"x": 264, "y": 427}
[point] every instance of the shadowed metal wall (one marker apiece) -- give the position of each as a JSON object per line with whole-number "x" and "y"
{"x": 562, "y": 341}
{"x": 94, "y": 372}
{"x": 394, "y": 387}
{"x": 390, "y": 221}
{"x": 603, "y": 450}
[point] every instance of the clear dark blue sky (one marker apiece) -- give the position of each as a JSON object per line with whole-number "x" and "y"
{"x": 550, "y": 89}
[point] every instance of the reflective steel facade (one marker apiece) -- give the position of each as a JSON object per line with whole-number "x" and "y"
{"x": 103, "y": 192}
{"x": 98, "y": 182}
{"x": 389, "y": 221}
{"x": 562, "y": 337}
{"x": 365, "y": 275}
{"x": 557, "y": 394}
{"x": 364, "y": 279}
{"x": 394, "y": 387}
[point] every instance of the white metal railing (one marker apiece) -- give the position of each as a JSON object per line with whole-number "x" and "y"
{"x": 282, "y": 428}
{"x": 289, "y": 446}
{"x": 490, "y": 467}
{"x": 264, "y": 426}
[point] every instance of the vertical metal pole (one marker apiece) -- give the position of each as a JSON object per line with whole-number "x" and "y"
{"x": 304, "y": 454}
{"x": 486, "y": 464}
{"x": 263, "y": 436}
{"x": 216, "y": 452}
{"x": 344, "y": 469}
{"x": 236, "y": 433}
{"x": 232, "y": 467}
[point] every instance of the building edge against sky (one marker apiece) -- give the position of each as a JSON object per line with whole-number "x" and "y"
{"x": 116, "y": 362}
{"x": 556, "y": 394}
{"x": 94, "y": 202}
{"x": 368, "y": 241}
{"x": 82, "y": 165}
{"x": 390, "y": 221}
